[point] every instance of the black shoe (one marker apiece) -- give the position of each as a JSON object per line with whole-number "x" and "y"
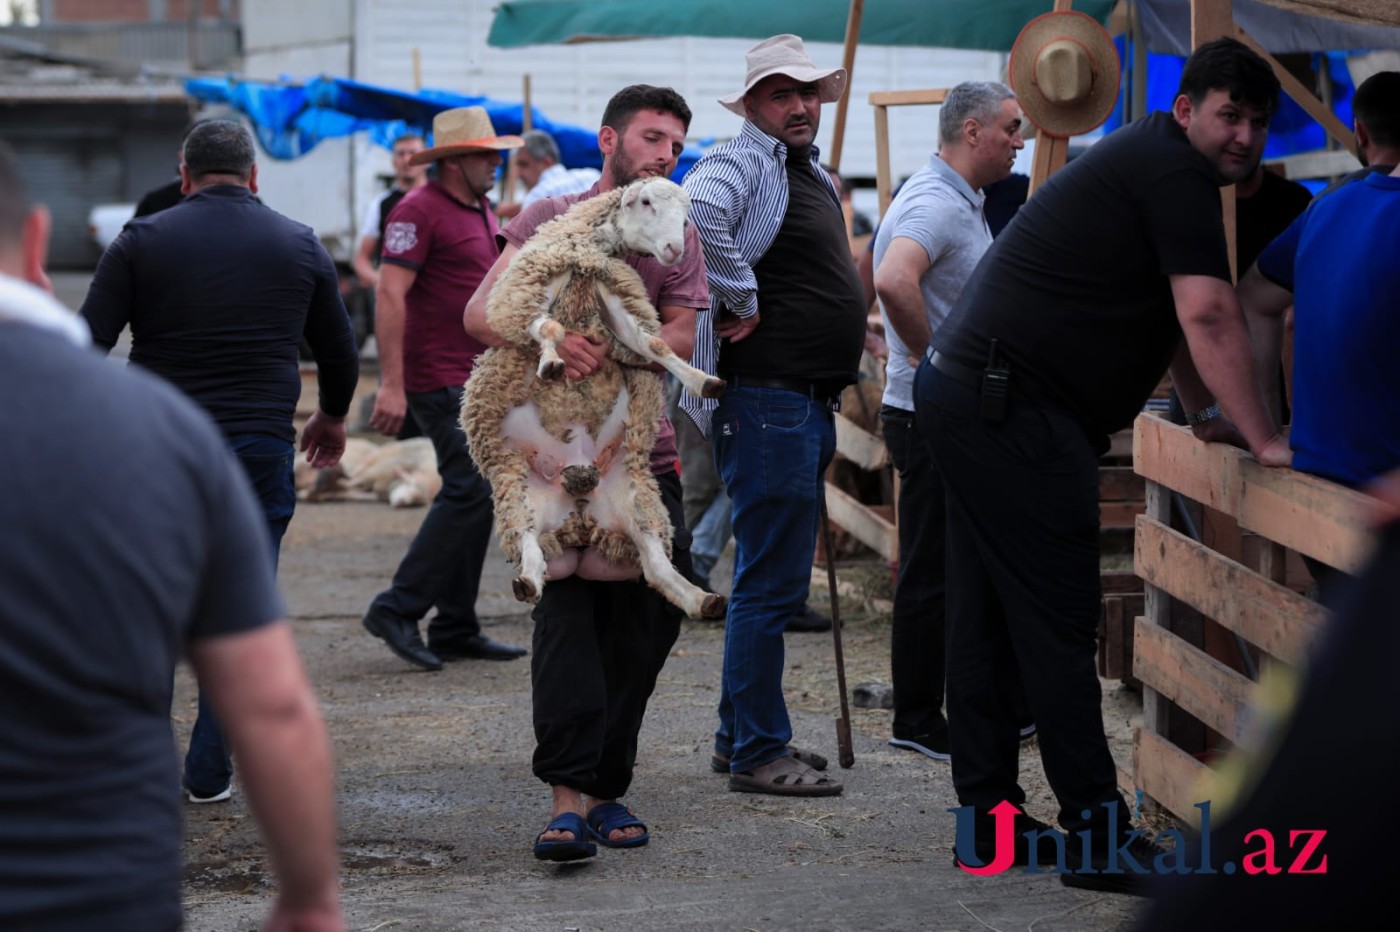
{"x": 477, "y": 647}
{"x": 403, "y": 639}
{"x": 930, "y": 745}
{"x": 1123, "y": 879}
{"x": 804, "y": 619}
{"x": 984, "y": 843}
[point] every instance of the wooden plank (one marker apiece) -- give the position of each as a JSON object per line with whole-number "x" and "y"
{"x": 1168, "y": 775}
{"x": 860, "y": 522}
{"x": 859, "y": 445}
{"x": 1112, "y": 667}
{"x": 1303, "y": 96}
{"x": 1156, "y": 610}
{"x": 1323, "y": 163}
{"x": 1191, "y": 678}
{"x": 905, "y": 98}
{"x": 1119, "y": 582}
{"x": 1118, "y": 514}
{"x": 1272, "y": 617}
{"x": 1049, "y": 157}
{"x": 1313, "y": 516}
{"x": 848, "y": 61}
{"x": 1121, "y": 484}
{"x": 884, "y": 186}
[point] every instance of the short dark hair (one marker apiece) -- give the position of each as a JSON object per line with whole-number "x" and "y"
{"x": 626, "y": 102}
{"x": 218, "y": 147}
{"x": 14, "y": 201}
{"x": 1377, "y": 105}
{"x": 1229, "y": 65}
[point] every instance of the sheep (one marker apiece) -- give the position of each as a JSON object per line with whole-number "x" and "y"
{"x": 569, "y": 462}
{"x": 402, "y": 473}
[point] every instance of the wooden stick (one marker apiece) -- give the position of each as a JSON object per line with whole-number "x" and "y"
{"x": 848, "y": 61}
{"x": 846, "y": 754}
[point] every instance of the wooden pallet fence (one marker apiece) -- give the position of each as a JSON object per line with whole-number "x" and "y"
{"x": 1290, "y": 510}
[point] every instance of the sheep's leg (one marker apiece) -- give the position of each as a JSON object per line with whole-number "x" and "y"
{"x": 530, "y": 583}
{"x": 548, "y": 333}
{"x": 614, "y": 508}
{"x": 624, "y": 325}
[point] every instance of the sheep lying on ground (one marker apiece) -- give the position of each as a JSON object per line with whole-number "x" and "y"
{"x": 402, "y": 473}
{"x": 569, "y": 462}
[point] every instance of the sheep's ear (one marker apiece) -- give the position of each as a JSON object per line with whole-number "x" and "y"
{"x": 630, "y": 195}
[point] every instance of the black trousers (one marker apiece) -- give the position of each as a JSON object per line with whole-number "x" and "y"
{"x": 1023, "y": 599}
{"x": 597, "y": 650}
{"x": 917, "y": 657}
{"x": 442, "y": 568}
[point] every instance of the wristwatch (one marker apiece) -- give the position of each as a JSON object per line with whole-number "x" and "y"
{"x": 1205, "y": 414}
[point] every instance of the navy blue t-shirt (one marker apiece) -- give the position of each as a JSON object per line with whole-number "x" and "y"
{"x": 128, "y": 532}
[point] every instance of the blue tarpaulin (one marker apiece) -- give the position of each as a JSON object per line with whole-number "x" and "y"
{"x": 290, "y": 119}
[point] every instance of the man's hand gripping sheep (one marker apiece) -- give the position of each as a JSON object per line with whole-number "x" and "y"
{"x": 569, "y": 461}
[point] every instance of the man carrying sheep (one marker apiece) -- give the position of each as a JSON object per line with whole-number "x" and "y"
{"x": 599, "y": 646}
{"x": 438, "y": 243}
{"x": 220, "y": 290}
{"x": 786, "y": 332}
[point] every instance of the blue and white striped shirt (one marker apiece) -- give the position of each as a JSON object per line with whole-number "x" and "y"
{"x": 738, "y": 199}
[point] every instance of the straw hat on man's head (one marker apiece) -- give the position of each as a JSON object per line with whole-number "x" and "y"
{"x": 461, "y": 131}
{"x": 1064, "y": 69}
{"x": 785, "y": 55}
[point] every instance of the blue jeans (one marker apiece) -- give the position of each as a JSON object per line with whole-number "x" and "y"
{"x": 710, "y": 534}
{"x": 267, "y": 461}
{"x": 771, "y": 447}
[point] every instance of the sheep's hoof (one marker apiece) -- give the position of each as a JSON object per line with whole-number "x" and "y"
{"x": 580, "y": 480}
{"x": 712, "y": 388}
{"x": 524, "y": 589}
{"x": 552, "y": 370}
{"x": 714, "y": 606}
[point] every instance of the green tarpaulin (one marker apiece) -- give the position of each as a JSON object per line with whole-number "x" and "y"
{"x": 963, "y": 24}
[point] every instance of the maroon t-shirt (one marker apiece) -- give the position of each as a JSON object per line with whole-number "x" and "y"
{"x": 451, "y": 245}
{"x": 682, "y": 285}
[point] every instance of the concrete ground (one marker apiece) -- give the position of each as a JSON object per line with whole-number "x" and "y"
{"x": 438, "y": 807}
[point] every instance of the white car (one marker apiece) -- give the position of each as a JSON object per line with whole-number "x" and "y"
{"x": 105, "y": 221}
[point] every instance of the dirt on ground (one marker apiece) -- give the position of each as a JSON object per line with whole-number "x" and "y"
{"x": 438, "y": 807}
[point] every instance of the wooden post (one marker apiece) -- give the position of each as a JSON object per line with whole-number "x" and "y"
{"x": 884, "y": 187}
{"x": 417, "y": 70}
{"x": 526, "y": 124}
{"x": 848, "y": 61}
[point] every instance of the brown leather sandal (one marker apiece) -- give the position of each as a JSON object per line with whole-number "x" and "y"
{"x": 720, "y": 764}
{"x": 786, "y": 776}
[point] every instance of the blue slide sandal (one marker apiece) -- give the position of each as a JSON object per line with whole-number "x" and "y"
{"x": 606, "y": 818}
{"x": 575, "y": 849}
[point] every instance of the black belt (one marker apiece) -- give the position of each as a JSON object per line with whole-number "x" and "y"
{"x": 817, "y": 391}
{"x": 956, "y": 371}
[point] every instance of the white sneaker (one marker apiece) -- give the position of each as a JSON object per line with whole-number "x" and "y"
{"x": 223, "y": 795}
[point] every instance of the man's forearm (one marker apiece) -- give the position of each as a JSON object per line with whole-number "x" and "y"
{"x": 1220, "y": 351}
{"x": 388, "y": 334}
{"x": 904, "y": 306}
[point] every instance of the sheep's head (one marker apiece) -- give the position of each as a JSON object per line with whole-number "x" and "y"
{"x": 652, "y": 216}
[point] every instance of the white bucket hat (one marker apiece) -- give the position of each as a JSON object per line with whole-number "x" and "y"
{"x": 785, "y": 55}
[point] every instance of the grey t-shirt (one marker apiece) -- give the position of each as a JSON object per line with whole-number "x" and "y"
{"x": 128, "y": 532}
{"x": 940, "y": 211}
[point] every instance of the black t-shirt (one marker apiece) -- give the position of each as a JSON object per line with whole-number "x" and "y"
{"x": 811, "y": 312}
{"x": 1259, "y": 219}
{"x": 220, "y": 291}
{"x": 129, "y": 531}
{"x": 1076, "y": 289}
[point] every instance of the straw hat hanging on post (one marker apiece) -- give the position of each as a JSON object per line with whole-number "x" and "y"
{"x": 1064, "y": 69}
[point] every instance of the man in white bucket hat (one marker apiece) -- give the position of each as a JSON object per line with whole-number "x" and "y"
{"x": 786, "y": 329}
{"x": 438, "y": 244}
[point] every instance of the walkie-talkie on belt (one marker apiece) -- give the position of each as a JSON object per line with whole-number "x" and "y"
{"x": 996, "y": 387}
